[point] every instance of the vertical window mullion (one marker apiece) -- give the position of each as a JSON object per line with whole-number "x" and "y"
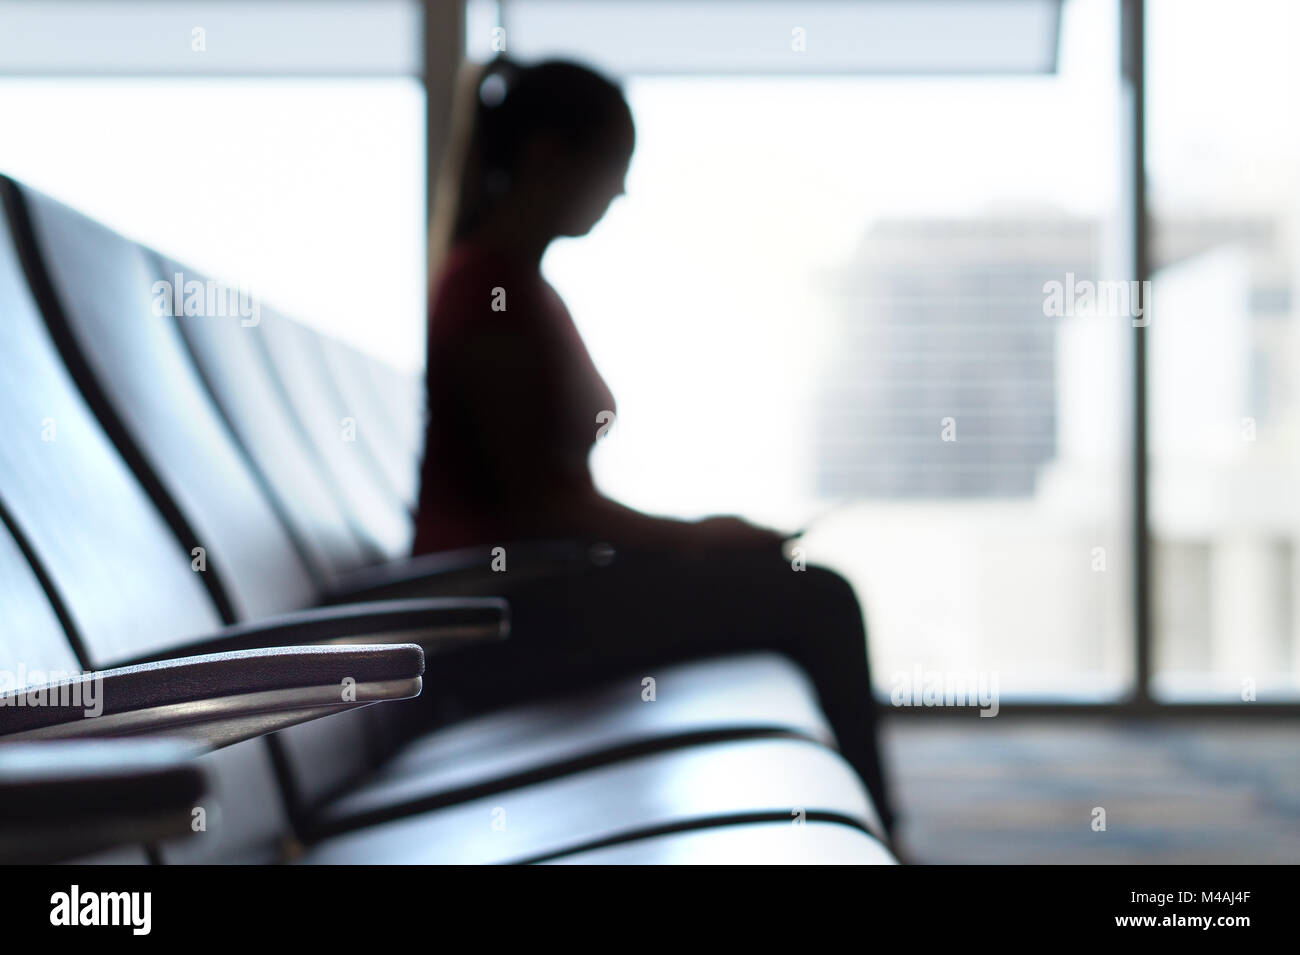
{"x": 1133, "y": 143}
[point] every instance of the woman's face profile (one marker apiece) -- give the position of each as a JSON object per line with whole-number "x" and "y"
{"x": 582, "y": 182}
{"x": 595, "y": 185}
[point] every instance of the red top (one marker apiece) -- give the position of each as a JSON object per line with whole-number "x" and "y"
{"x": 513, "y": 405}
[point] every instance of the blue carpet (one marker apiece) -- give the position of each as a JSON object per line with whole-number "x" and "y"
{"x": 1020, "y": 790}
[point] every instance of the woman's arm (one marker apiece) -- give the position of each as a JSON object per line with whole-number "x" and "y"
{"x": 538, "y": 475}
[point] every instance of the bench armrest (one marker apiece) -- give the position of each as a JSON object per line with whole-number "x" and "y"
{"x": 214, "y": 699}
{"x": 435, "y": 624}
{"x": 118, "y": 792}
{"x": 467, "y": 570}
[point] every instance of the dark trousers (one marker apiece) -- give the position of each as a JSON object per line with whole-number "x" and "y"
{"x": 574, "y": 630}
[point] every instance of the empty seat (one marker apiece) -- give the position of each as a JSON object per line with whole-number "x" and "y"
{"x": 131, "y": 366}
{"x": 341, "y": 441}
{"x": 233, "y": 364}
{"x": 93, "y": 575}
{"x": 402, "y": 396}
{"x": 536, "y": 741}
{"x": 755, "y": 843}
{"x": 32, "y": 643}
{"x": 354, "y": 377}
{"x": 127, "y": 586}
{"x": 716, "y": 784}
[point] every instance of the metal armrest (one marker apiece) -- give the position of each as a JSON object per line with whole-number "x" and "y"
{"x": 469, "y": 570}
{"x": 214, "y": 699}
{"x": 67, "y": 799}
{"x": 433, "y": 623}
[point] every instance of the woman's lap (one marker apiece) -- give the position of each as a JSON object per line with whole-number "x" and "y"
{"x": 615, "y": 619}
{"x": 636, "y": 615}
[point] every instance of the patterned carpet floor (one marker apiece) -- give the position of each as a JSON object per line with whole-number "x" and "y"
{"x": 1025, "y": 790}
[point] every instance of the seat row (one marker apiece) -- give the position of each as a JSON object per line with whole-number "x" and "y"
{"x": 204, "y": 523}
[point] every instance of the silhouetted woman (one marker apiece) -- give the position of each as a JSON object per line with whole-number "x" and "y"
{"x": 515, "y": 403}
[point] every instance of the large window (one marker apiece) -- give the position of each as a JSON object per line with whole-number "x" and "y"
{"x": 1223, "y": 163}
{"x": 874, "y": 277}
{"x": 281, "y": 146}
{"x": 827, "y": 299}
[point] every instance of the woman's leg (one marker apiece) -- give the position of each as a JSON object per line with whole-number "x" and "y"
{"x": 643, "y": 612}
{"x": 729, "y": 603}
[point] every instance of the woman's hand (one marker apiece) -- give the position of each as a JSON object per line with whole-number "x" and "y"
{"x": 733, "y": 533}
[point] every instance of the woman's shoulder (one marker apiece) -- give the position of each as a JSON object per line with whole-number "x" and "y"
{"x": 475, "y": 280}
{"x": 465, "y": 266}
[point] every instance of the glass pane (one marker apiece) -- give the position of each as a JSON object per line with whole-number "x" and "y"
{"x": 1223, "y": 115}
{"x": 229, "y": 37}
{"x": 310, "y": 193}
{"x": 857, "y": 302}
{"x": 789, "y": 36}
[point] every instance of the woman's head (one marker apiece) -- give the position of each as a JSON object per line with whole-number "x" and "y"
{"x": 547, "y": 145}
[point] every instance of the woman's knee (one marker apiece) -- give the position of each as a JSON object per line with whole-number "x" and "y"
{"x": 830, "y": 587}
